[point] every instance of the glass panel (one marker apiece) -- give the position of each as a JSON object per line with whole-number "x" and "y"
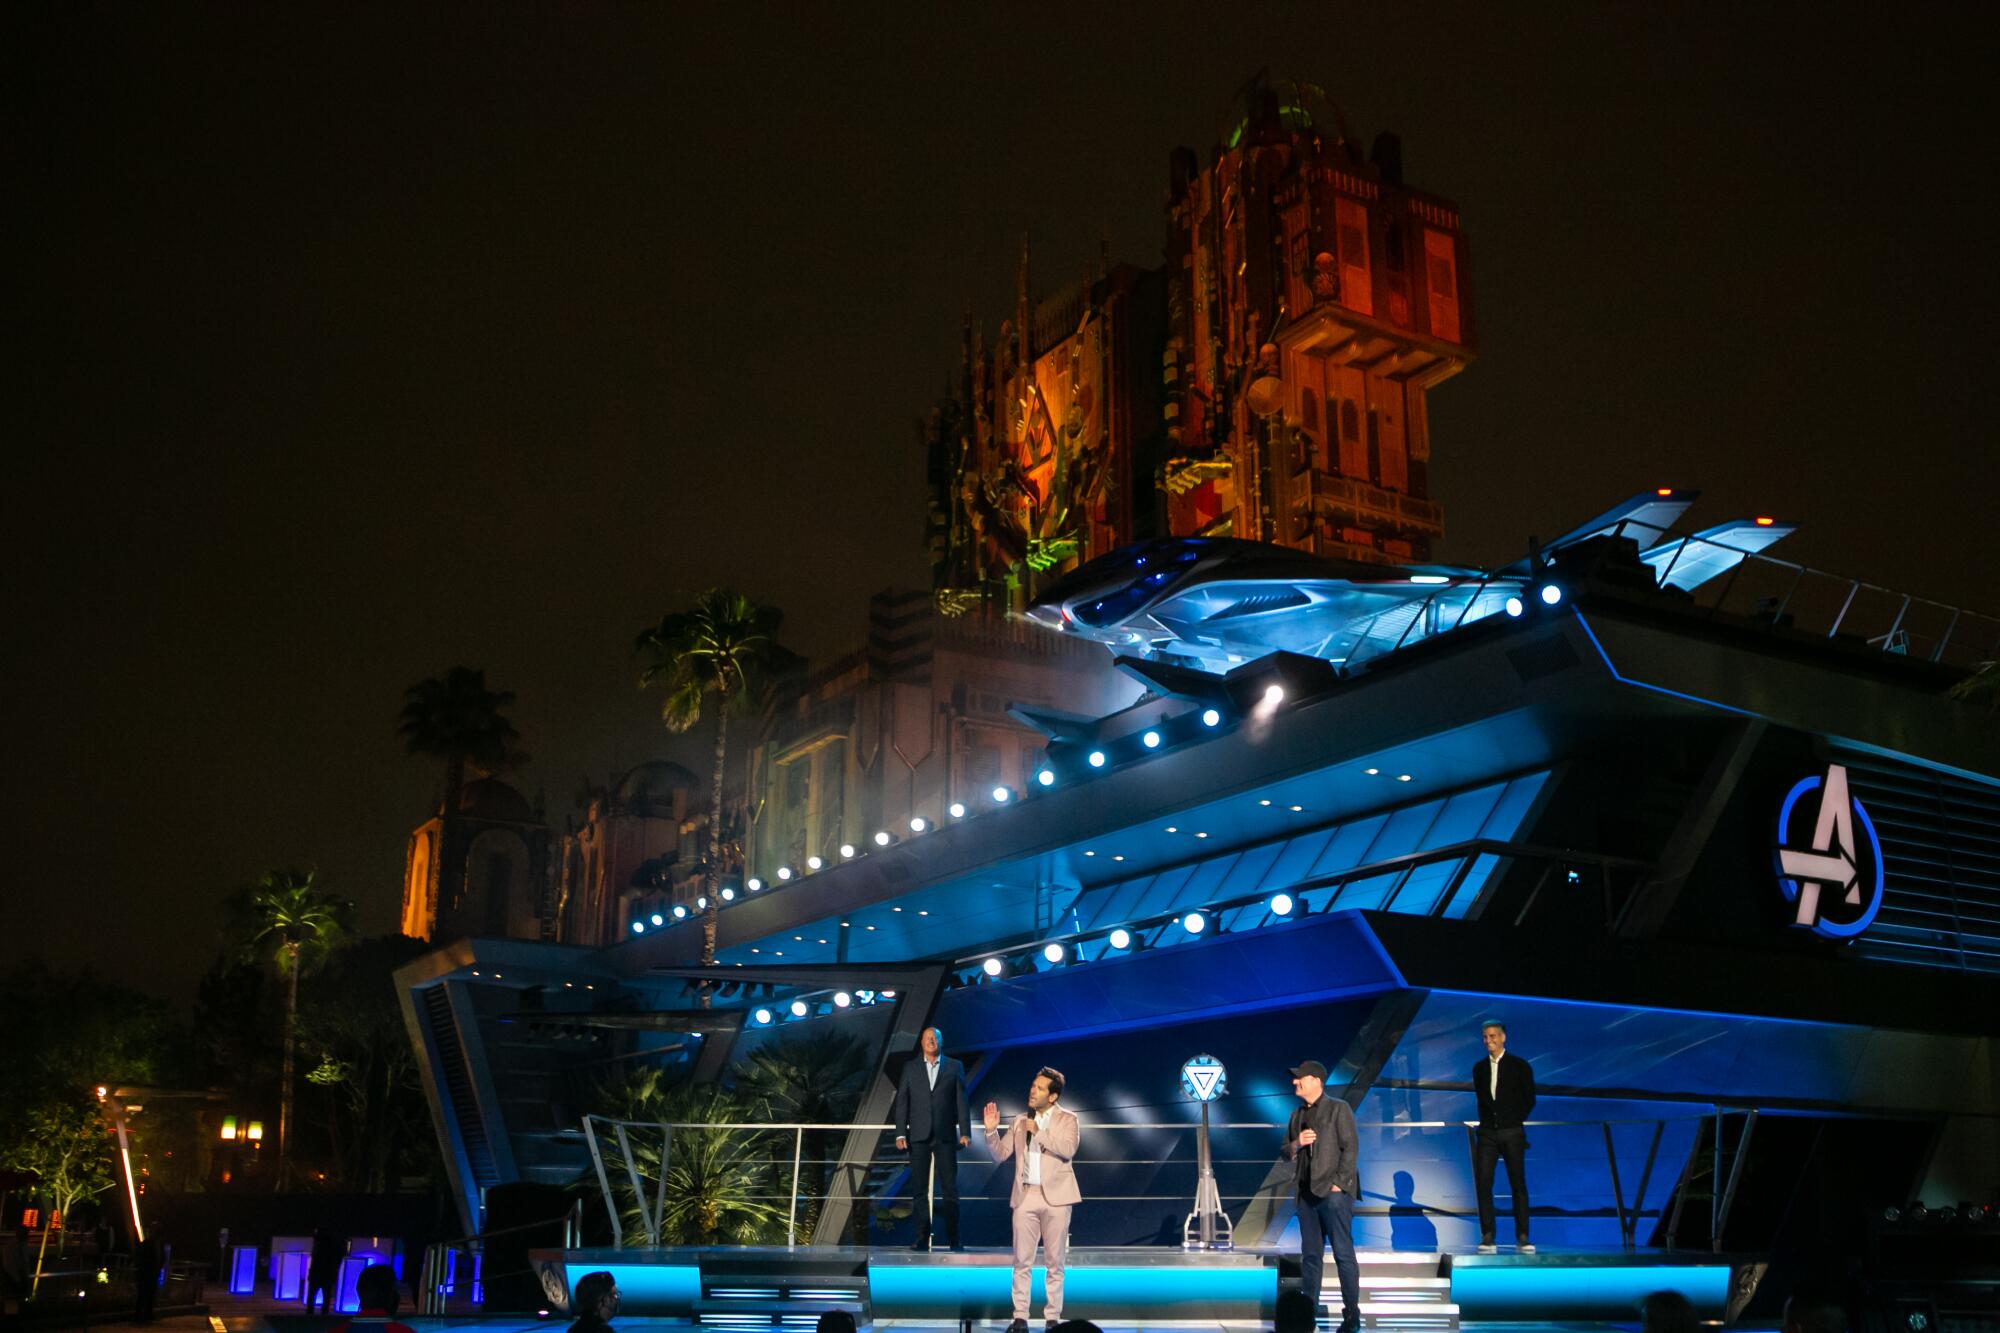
{"x": 1462, "y": 816}
{"x": 1419, "y": 893}
{"x": 1368, "y": 892}
{"x": 1483, "y": 868}
{"x": 1350, "y": 842}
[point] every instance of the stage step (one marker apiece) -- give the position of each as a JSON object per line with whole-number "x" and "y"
{"x": 1418, "y": 1316}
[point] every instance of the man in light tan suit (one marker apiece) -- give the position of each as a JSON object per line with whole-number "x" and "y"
{"x": 1043, "y": 1146}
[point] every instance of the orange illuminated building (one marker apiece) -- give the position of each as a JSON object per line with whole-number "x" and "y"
{"x": 1269, "y": 381}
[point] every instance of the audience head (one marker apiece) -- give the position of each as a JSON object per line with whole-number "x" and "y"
{"x": 835, "y": 1321}
{"x": 375, "y": 1288}
{"x": 1667, "y": 1312}
{"x": 595, "y": 1297}
{"x": 1295, "y": 1313}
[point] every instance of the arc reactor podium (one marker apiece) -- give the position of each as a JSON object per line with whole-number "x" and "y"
{"x": 1207, "y": 1227}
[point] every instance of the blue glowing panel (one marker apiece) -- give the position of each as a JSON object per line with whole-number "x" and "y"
{"x": 667, "y": 1289}
{"x": 1421, "y": 889}
{"x": 1542, "y": 1291}
{"x": 1108, "y": 1291}
{"x": 1252, "y": 869}
{"x": 1475, "y": 879}
{"x": 290, "y": 1284}
{"x": 346, "y": 1300}
{"x": 1463, "y": 816}
{"x": 1350, "y": 843}
{"x": 242, "y": 1270}
{"x": 1367, "y": 893}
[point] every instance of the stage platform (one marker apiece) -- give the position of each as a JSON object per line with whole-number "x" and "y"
{"x": 766, "y": 1287}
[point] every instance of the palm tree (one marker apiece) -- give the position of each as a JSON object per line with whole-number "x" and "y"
{"x": 725, "y": 645}
{"x": 454, "y": 717}
{"x": 715, "y": 1187}
{"x": 815, "y": 1079}
{"x": 1982, "y": 686}
{"x": 286, "y": 908}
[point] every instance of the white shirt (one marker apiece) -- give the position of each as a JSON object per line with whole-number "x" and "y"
{"x": 1493, "y": 1065}
{"x": 930, "y": 1070}
{"x": 1035, "y": 1146}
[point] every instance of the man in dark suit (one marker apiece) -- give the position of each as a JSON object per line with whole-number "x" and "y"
{"x": 1321, "y": 1141}
{"x": 933, "y": 1122}
{"x": 1505, "y": 1085}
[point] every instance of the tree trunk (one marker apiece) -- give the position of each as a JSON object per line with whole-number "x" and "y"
{"x": 285, "y": 1088}
{"x": 712, "y": 882}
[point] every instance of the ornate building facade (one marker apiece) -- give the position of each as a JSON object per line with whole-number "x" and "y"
{"x": 482, "y": 869}
{"x": 1269, "y": 381}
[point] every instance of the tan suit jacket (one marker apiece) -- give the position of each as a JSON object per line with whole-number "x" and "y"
{"x": 1058, "y": 1152}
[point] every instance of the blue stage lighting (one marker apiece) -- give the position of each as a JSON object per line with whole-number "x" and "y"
{"x": 728, "y": 894}
{"x": 1001, "y": 795}
{"x": 1211, "y": 717}
{"x": 1551, "y": 594}
{"x": 1151, "y": 740}
{"x": 1194, "y": 923}
{"x": 1514, "y": 607}
{"x": 763, "y": 1016}
{"x": 799, "y": 1009}
{"x": 658, "y": 920}
{"x": 756, "y": 885}
{"x": 638, "y": 927}
{"x": 680, "y": 912}
{"x": 1052, "y": 952}
{"x": 882, "y": 838}
{"x": 1097, "y": 759}
{"x": 1282, "y": 904}
{"x": 1047, "y": 777}
{"x": 918, "y": 823}
{"x": 841, "y": 999}
{"x": 1121, "y": 938}
{"x": 993, "y": 967}
{"x": 958, "y": 809}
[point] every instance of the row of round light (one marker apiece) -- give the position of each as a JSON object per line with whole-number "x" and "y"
{"x": 1551, "y": 595}
{"x": 1152, "y": 739}
{"x": 1121, "y": 939}
{"x": 764, "y": 1016}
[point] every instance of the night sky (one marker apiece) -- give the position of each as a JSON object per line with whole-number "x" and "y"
{"x": 361, "y": 341}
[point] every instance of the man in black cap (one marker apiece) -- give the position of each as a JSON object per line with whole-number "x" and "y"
{"x": 1320, "y": 1138}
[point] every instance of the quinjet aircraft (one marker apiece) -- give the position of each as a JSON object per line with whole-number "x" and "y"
{"x": 1217, "y": 603}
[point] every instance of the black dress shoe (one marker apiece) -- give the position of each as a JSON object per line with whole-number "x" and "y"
{"x": 1018, "y": 1326}
{"x": 1349, "y": 1326}
{"x": 921, "y": 1247}
{"x": 957, "y": 1248}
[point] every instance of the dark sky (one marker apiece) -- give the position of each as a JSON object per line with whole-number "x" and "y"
{"x": 359, "y": 341}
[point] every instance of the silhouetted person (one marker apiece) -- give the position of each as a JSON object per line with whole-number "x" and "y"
{"x": 835, "y": 1321}
{"x": 1075, "y": 1326}
{"x": 594, "y": 1302}
{"x": 145, "y": 1278}
{"x": 1296, "y": 1313}
{"x": 323, "y": 1272}
{"x": 1668, "y": 1312}
{"x": 375, "y": 1289}
{"x": 1409, "y": 1228}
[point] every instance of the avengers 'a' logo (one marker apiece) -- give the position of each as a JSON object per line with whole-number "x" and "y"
{"x": 1832, "y": 876}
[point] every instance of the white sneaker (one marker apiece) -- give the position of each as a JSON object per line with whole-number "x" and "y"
{"x": 1489, "y": 1247}
{"x": 1527, "y": 1247}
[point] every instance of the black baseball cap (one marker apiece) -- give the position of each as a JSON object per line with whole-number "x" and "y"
{"x": 1312, "y": 1067}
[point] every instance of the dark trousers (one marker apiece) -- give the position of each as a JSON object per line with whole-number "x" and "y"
{"x": 1489, "y": 1147}
{"x": 934, "y": 1160}
{"x": 319, "y": 1287}
{"x": 1322, "y": 1219}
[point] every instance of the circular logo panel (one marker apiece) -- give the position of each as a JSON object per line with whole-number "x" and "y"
{"x": 1828, "y": 859}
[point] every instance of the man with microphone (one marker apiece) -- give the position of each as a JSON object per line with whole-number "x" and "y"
{"x": 1043, "y": 1146}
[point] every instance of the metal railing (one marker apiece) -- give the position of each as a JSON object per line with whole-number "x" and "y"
{"x": 776, "y": 1156}
{"x": 438, "y": 1284}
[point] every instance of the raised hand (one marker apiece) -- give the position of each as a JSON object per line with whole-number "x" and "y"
{"x": 992, "y": 1117}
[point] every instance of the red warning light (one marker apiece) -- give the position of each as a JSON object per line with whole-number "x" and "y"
{"x": 1664, "y": 491}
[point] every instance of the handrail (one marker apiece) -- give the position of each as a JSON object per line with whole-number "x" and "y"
{"x": 1628, "y": 1216}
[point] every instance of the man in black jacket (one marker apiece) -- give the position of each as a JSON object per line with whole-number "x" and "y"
{"x": 933, "y": 1121}
{"x": 1320, "y": 1137}
{"x": 1505, "y": 1085}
